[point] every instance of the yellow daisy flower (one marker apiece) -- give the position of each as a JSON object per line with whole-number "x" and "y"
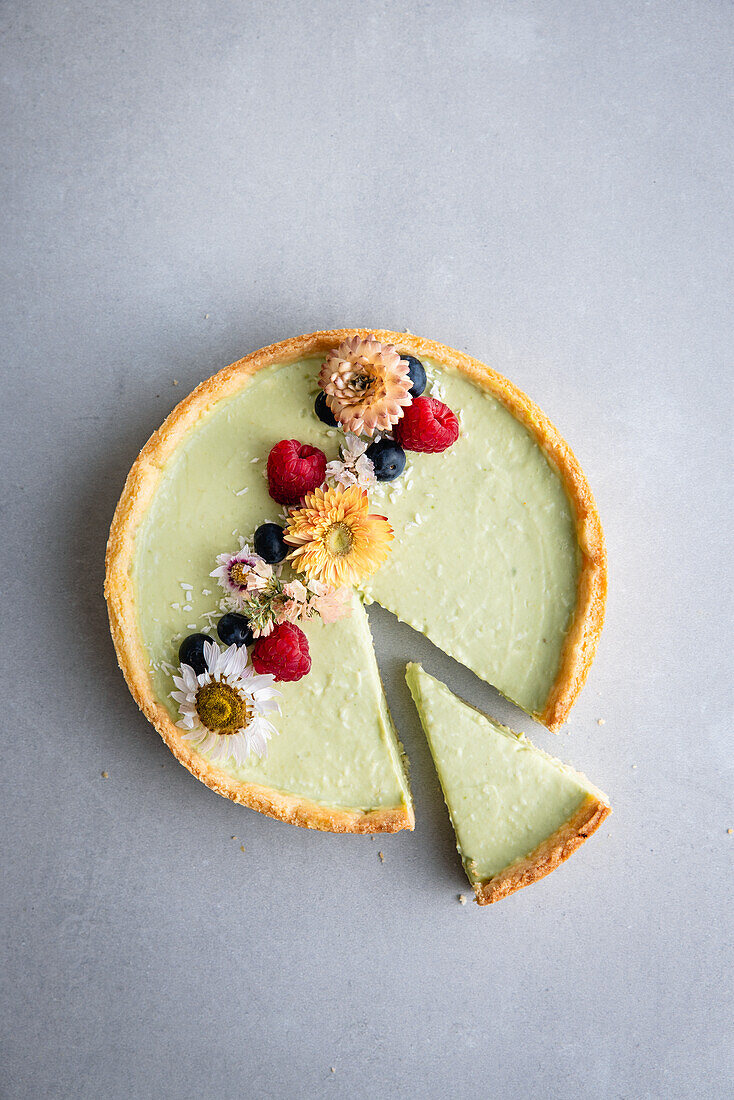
{"x": 338, "y": 542}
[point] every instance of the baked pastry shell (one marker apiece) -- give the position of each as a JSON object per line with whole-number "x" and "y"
{"x": 141, "y": 485}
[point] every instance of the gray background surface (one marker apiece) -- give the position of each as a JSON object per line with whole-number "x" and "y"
{"x": 546, "y": 185}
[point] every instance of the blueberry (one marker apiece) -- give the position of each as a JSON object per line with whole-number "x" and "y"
{"x": 270, "y": 544}
{"x": 387, "y": 458}
{"x": 234, "y": 629}
{"x": 417, "y": 374}
{"x": 323, "y": 411}
{"x": 191, "y": 652}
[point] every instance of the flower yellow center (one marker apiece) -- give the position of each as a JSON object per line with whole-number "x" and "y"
{"x": 221, "y": 708}
{"x": 238, "y": 573}
{"x": 338, "y": 539}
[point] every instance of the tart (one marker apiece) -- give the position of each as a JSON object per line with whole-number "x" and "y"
{"x": 517, "y": 812}
{"x": 497, "y": 555}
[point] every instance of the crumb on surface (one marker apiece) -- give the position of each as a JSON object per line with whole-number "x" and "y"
{"x": 175, "y": 381}
{"x": 105, "y": 775}
{"x": 235, "y": 838}
{"x": 333, "y": 1069}
{"x": 600, "y": 721}
{"x": 382, "y": 856}
{"x": 730, "y": 831}
{"x": 462, "y": 899}
{"x": 242, "y": 847}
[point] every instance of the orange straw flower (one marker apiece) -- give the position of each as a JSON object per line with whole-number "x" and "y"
{"x": 337, "y": 541}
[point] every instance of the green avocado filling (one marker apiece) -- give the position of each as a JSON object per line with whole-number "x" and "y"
{"x": 484, "y": 561}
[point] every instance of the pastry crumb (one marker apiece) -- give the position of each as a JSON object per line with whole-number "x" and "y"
{"x": 730, "y": 831}
{"x": 333, "y": 1069}
{"x": 382, "y": 856}
{"x": 242, "y": 847}
{"x": 235, "y": 838}
{"x": 462, "y": 899}
{"x": 600, "y": 721}
{"x": 105, "y": 775}
{"x": 175, "y": 381}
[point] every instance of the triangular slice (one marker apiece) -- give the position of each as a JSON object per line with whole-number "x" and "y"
{"x": 517, "y": 812}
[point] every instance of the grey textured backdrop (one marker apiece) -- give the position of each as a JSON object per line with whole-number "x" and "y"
{"x": 547, "y": 185}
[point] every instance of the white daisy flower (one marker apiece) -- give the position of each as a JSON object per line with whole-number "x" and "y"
{"x": 233, "y": 570}
{"x": 224, "y": 709}
{"x": 354, "y": 467}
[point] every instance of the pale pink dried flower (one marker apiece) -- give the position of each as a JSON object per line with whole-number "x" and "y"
{"x": 367, "y": 385}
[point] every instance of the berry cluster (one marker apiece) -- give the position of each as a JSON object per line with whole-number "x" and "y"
{"x": 425, "y": 425}
{"x": 283, "y": 653}
{"x": 295, "y": 469}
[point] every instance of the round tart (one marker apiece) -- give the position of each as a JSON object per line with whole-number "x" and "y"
{"x": 497, "y": 556}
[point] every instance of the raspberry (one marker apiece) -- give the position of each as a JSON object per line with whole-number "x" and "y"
{"x": 294, "y": 469}
{"x": 427, "y": 425}
{"x": 284, "y": 653}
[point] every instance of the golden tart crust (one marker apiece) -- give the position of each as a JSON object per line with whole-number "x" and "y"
{"x": 546, "y": 857}
{"x": 140, "y": 487}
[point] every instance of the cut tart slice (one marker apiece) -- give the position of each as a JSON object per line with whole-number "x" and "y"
{"x": 517, "y": 812}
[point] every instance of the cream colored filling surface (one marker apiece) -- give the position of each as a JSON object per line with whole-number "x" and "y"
{"x": 484, "y": 561}
{"x": 504, "y": 796}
